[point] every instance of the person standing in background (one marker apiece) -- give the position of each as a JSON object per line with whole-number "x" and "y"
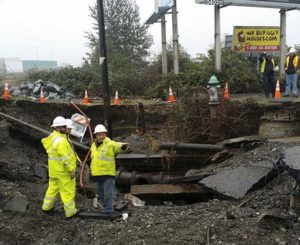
{"x": 267, "y": 66}
{"x": 291, "y": 67}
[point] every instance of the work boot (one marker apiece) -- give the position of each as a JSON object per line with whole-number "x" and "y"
{"x": 74, "y": 215}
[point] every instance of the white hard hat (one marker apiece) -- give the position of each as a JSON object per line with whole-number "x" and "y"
{"x": 59, "y": 121}
{"x": 69, "y": 123}
{"x": 100, "y": 129}
{"x": 292, "y": 50}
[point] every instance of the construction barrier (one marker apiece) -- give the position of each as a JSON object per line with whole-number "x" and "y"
{"x": 171, "y": 96}
{"x": 116, "y": 100}
{"x": 42, "y": 98}
{"x": 277, "y": 91}
{"x": 6, "y": 94}
{"x": 226, "y": 92}
{"x": 86, "y": 98}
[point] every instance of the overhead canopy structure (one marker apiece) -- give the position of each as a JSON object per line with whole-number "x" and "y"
{"x": 161, "y": 8}
{"x": 157, "y": 15}
{"x": 280, "y": 4}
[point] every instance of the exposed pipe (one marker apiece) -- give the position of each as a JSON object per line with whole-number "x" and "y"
{"x": 187, "y": 146}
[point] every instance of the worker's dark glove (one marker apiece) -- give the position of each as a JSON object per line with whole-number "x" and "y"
{"x": 124, "y": 147}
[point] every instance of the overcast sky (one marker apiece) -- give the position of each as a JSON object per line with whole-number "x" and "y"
{"x": 54, "y": 29}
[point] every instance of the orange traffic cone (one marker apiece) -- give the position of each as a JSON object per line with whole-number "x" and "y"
{"x": 86, "y": 98}
{"x": 42, "y": 98}
{"x": 226, "y": 92}
{"x": 6, "y": 91}
{"x": 171, "y": 96}
{"x": 277, "y": 91}
{"x": 117, "y": 101}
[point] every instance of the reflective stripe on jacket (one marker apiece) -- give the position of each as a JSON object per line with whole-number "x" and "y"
{"x": 61, "y": 156}
{"x": 263, "y": 64}
{"x": 103, "y": 157}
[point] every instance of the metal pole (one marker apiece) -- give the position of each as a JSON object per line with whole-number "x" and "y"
{"x": 282, "y": 40}
{"x": 217, "y": 39}
{"x": 103, "y": 66}
{"x": 164, "y": 59}
{"x": 175, "y": 38}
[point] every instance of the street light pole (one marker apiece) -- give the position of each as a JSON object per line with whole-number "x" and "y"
{"x": 103, "y": 67}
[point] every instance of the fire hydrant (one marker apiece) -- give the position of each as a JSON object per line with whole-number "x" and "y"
{"x": 213, "y": 86}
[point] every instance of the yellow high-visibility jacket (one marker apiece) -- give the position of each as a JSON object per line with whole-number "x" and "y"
{"x": 295, "y": 62}
{"x": 263, "y": 64}
{"x": 61, "y": 156}
{"x": 103, "y": 157}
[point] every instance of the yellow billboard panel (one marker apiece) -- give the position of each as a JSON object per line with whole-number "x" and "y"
{"x": 256, "y": 39}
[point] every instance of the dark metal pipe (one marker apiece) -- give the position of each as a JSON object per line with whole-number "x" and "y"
{"x": 187, "y": 146}
{"x": 126, "y": 179}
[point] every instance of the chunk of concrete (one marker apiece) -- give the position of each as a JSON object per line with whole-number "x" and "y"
{"x": 235, "y": 183}
{"x": 18, "y": 203}
{"x": 292, "y": 157}
{"x": 275, "y": 219}
{"x": 41, "y": 172}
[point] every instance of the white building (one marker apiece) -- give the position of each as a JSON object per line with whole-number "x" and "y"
{"x": 11, "y": 65}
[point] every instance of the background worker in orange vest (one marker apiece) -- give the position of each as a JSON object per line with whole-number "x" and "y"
{"x": 267, "y": 67}
{"x": 291, "y": 67}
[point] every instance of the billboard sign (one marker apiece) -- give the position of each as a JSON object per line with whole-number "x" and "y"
{"x": 161, "y": 8}
{"x": 162, "y": 5}
{"x": 256, "y": 39}
{"x": 282, "y": 4}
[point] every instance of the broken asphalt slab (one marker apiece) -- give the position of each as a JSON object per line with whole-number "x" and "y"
{"x": 292, "y": 157}
{"x": 18, "y": 203}
{"x": 275, "y": 219}
{"x": 292, "y": 161}
{"x": 235, "y": 183}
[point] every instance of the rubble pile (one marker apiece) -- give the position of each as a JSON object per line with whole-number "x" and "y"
{"x": 242, "y": 192}
{"x": 33, "y": 90}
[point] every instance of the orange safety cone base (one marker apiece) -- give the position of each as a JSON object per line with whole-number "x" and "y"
{"x": 116, "y": 102}
{"x": 171, "y": 99}
{"x": 86, "y": 101}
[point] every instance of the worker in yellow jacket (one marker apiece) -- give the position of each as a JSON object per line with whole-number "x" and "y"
{"x": 291, "y": 67}
{"x": 61, "y": 165}
{"x": 103, "y": 167}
